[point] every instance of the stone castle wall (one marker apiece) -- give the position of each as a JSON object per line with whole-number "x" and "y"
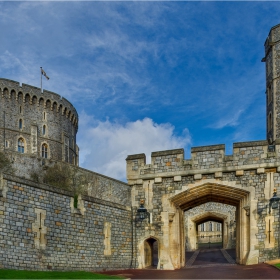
{"x": 37, "y": 118}
{"x": 99, "y": 186}
{"x": 41, "y": 229}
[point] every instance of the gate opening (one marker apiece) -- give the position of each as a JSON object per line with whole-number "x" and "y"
{"x": 209, "y": 235}
{"x": 151, "y": 252}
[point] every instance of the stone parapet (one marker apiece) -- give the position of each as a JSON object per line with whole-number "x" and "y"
{"x": 206, "y": 160}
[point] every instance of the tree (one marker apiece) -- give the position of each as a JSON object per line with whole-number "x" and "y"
{"x": 67, "y": 177}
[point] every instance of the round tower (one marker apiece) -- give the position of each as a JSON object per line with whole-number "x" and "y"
{"x": 41, "y": 125}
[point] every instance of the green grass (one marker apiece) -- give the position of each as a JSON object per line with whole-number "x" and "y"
{"x": 277, "y": 265}
{"x": 26, "y": 274}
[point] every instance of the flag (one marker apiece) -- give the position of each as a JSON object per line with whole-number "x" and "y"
{"x": 44, "y": 73}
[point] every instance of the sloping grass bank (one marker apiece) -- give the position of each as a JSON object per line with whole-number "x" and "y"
{"x": 26, "y": 274}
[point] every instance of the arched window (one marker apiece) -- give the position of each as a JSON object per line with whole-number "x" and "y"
{"x": 21, "y": 145}
{"x": 44, "y": 130}
{"x": 202, "y": 227}
{"x": 45, "y": 151}
{"x": 20, "y": 124}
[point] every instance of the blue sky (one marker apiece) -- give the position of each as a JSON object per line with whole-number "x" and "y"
{"x": 145, "y": 76}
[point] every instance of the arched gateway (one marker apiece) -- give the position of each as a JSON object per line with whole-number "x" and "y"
{"x": 172, "y": 185}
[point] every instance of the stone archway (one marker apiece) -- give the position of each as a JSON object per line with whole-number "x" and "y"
{"x": 214, "y": 191}
{"x": 202, "y": 218}
{"x": 151, "y": 252}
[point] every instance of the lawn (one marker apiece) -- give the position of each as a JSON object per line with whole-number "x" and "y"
{"x": 277, "y": 265}
{"x": 26, "y": 274}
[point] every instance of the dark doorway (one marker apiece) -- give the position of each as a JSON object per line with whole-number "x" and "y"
{"x": 151, "y": 252}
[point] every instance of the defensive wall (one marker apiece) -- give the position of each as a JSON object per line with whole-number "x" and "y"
{"x": 98, "y": 185}
{"x": 41, "y": 229}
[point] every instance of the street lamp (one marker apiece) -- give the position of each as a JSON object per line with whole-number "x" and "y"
{"x": 274, "y": 201}
{"x": 274, "y": 204}
{"x": 142, "y": 212}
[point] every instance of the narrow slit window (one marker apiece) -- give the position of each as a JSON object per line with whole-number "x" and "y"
{"x": 44, "y": 130}
{"x": 20, "y": 124}
{"x": 45, "y": 151}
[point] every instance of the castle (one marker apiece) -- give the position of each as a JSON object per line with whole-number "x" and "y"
{"x": 42, "y": 229}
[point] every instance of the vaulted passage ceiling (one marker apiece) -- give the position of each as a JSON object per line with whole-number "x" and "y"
{"x": 208, "y": 193}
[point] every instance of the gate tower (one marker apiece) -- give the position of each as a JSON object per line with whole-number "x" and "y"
{"x": 272, "y": 61}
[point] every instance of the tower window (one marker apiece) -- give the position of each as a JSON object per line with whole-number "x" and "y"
{"x": 21, "y": 145}
{"x": 45, "y": 151}
{"x": 20, "y": 109}
{"x": 44, "y": 115}
{"x": 44, "y": 130}
{"x": 20, "y": 124}
{"x": 269, "y": 94}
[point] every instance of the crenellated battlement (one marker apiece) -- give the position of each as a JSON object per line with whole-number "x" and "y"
{"x": 37, "y": 124}
{"x": 205, "y": 160}
{"x": 12, "y": 90}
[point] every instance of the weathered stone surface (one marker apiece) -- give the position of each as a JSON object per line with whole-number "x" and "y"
{"x": 40, "y": 233}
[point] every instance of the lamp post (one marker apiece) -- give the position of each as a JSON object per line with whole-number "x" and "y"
{"x": 274, "y": 204}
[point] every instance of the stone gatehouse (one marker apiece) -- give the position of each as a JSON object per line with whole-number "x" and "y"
{"x": 41, "y": 228}
{"x": 173, "y": 187}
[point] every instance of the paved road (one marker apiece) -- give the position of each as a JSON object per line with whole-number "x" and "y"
{"x": 205, "y": 264}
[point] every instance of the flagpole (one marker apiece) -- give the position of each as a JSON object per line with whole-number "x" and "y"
{"x": 41, "y": 81}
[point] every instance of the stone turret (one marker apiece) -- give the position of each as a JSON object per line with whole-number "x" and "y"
{"x": 35, "y": 124}
{"x": 272, "y": 60}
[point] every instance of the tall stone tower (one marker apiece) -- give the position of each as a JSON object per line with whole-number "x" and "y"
{"x": 272, "y": 60}
{"x": 37, "y": 125}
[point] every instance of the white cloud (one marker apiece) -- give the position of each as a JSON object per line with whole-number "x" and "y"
{"x": 104, "y": 146}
